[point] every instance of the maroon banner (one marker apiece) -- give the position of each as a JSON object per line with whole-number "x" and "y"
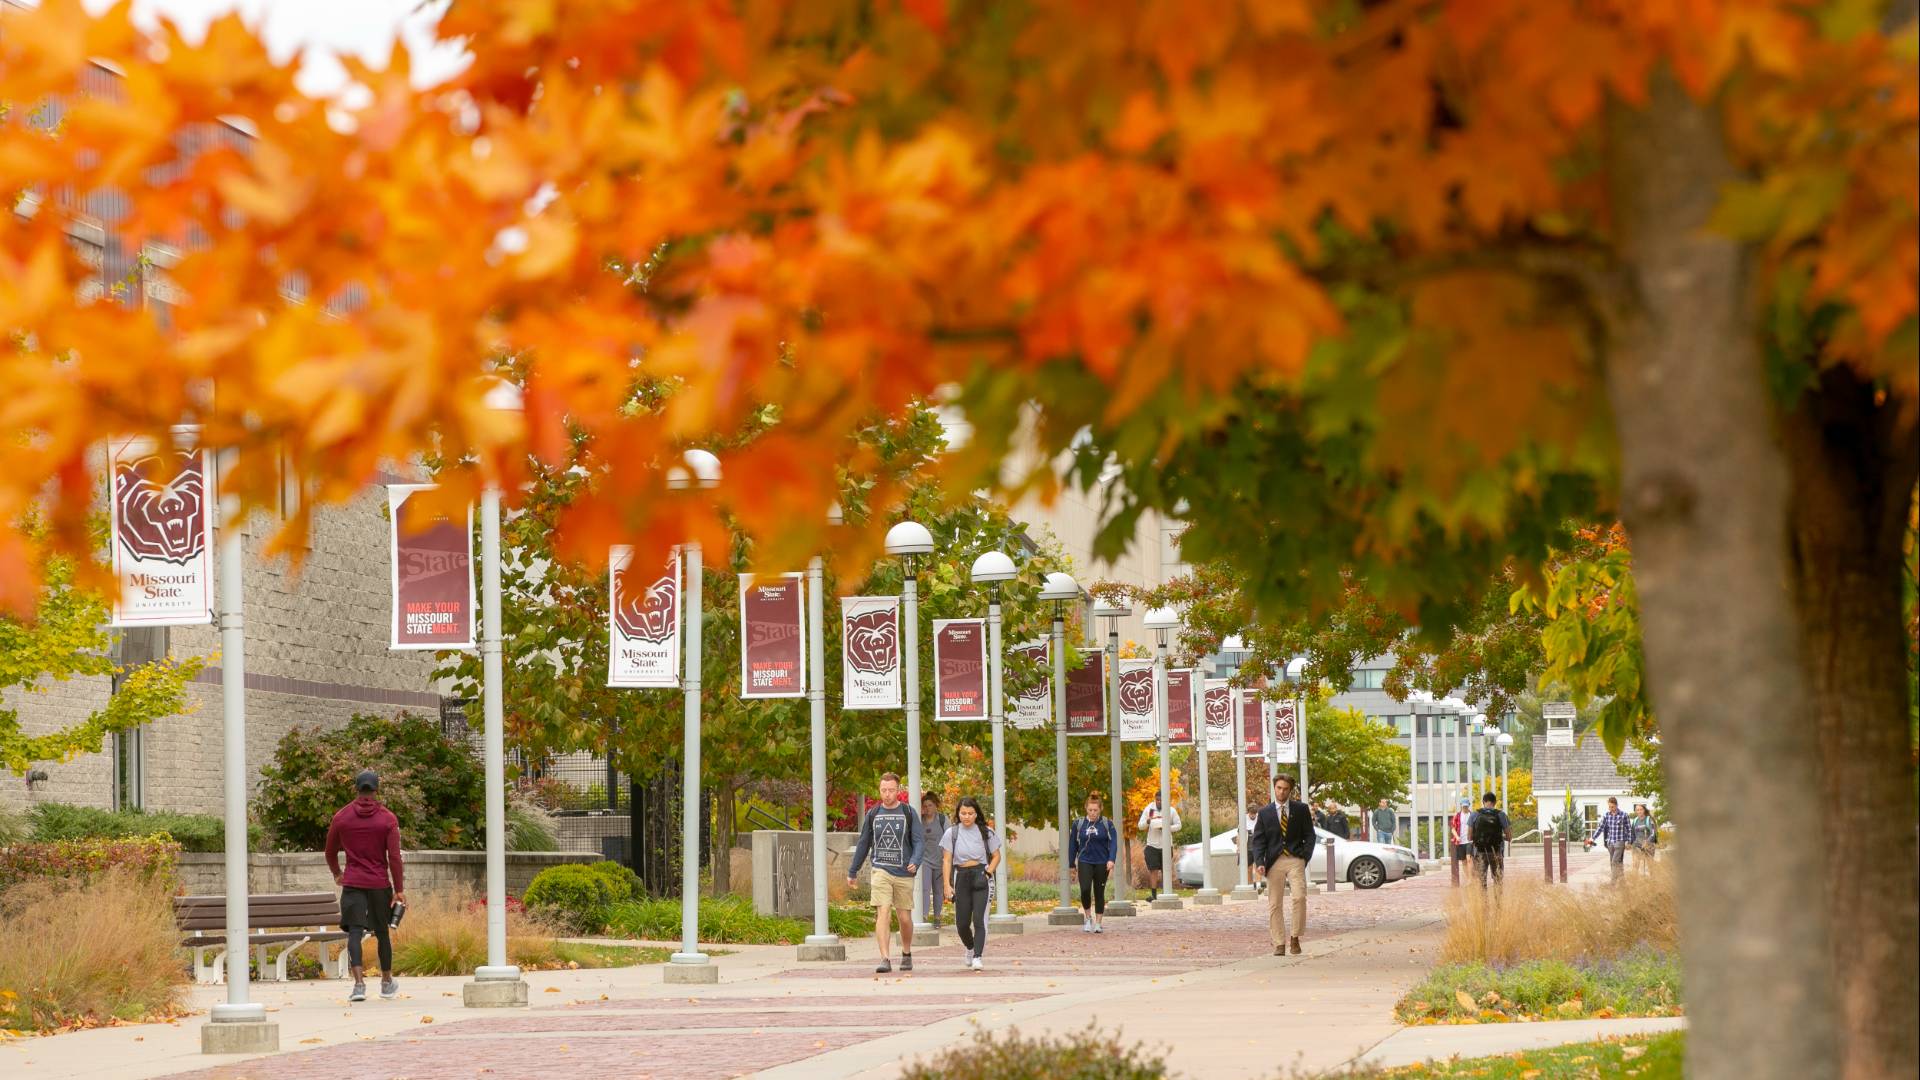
{"x": 1253, "y": 725}
{"x": 772, "y": 637}
{"x": 1180, "y": 707}
{"x": 1087, "y": 697}
{"x": 432, "y": 575}
{"x": 959, "y": 669}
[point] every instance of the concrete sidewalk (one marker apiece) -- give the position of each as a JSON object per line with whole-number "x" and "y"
{"x": 1438, "y": 1043}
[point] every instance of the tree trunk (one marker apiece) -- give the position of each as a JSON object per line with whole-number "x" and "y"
{"x": 723, "y": 794}
{"x": 1854, "y": 466}
{"x": 1704, "y": 491}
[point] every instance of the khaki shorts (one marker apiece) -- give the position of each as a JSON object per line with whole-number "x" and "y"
{"x": 891, "y": 892}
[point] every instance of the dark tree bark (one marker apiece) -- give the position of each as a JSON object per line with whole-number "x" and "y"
{"x": 1853, "y": 466}
{"x": 1704, "y": 496}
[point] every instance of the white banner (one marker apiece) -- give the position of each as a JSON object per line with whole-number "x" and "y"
{"x": 1286, "y": 735}
{"x": 1217, "y": 707}
{"x": 1137, "y": 720}
{"x": 870, "y": 652}
{"x": 1034, "y": 707}
{"x": 643, "y": 622}
{"x": 160, "y": 520}
{"x": 432, "y": 573}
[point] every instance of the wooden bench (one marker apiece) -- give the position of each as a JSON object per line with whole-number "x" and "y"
{"x": 288, "y": 919}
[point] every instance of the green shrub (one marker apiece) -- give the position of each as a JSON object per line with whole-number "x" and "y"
{"x": 1084, "y": 1055}
{"x": 193, "y": 832}
{"x": 1031, "y": 890}
{"x": 149, "y": 858}
{"x": 626, "y": 884}
{"x": 728, "y": 920}
{"x": 432, "y": 785}
{"x": 530, "y": 828}
{"x": 1643, "y": 983}
{"x": 574, "y": 896}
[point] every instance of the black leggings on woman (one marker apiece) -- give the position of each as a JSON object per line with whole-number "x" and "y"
{"x": 1093, "y": 887}
{"x": 970, "y": 907}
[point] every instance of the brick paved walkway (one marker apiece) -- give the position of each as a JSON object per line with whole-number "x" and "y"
{"x": 783, "y": 1017}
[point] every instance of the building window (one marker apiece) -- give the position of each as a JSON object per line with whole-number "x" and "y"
{"x": 1368, "y": 679}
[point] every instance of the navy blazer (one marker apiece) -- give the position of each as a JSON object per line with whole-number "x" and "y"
{"x": 1268, "y": 841}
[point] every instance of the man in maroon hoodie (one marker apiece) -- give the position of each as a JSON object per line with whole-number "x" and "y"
{"x": 369, "y": 834}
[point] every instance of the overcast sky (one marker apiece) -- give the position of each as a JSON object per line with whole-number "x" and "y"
{"x": 323, "y": 30}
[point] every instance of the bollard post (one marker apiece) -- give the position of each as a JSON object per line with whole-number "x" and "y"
{"x": 1329, "y": 844}
{"x": 1546, "y": 849}
{"x": 1563, "y": 860}
{"x": 1453, "y": 862}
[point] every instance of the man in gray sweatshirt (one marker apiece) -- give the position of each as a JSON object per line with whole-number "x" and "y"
{"x": 1384, "y": 821}
{"x": 891, "y": 833}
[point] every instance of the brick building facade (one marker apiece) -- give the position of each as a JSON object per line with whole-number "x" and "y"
{"x": 316, "y": 654}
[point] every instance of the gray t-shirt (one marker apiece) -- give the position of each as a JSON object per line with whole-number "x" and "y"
{"x": 966, "y": 846}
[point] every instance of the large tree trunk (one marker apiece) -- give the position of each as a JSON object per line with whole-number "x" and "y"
{"x": 723, "y": 793}
{"x": 1854, "y": 466}
{"x": 1704, "y": 492}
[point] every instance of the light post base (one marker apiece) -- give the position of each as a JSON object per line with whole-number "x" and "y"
{"x": 926, "y": 935}
{"x": 1065, "y": 916}
{"x": 1208, "y": 897}
{"x": 1245, "y": 892}
{"x": 822, "y": 947}
{"x": 690, "y": 968}
{"x": 1167, "y": 903}
{"x": 495, "y": 988}
{"x": 1120, "y": 909}
{"x": 1004, "y": 924}
{"x": 239, "y": 1029}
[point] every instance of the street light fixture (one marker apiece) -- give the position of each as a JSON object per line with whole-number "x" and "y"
{"x": 1113, "y": 611}
{"x": 701, "y": 470}
{"x": 823, "y": 943}
{"x": 1505, "y": 742}
{"x": 1061, "y": 589}
{"x": 994, "y": 569}
{"x": 906, "y": 541}
{"x": 498, "y": 983}
{"x": 1162, "y": 620}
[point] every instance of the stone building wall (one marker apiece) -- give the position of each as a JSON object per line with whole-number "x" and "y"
{"x": 316, "y": 654}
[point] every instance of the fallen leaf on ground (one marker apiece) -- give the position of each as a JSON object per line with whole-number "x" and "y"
{"x": 551, "y": 990}
{"x": 426, "y": 1019}
{"x": 1631, "y": 1052}
{"x": 1466, "y": 1001}
{"x": 309, "y": 1042}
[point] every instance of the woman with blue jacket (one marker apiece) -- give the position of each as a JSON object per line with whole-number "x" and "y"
{"x": 1091, "y": 846}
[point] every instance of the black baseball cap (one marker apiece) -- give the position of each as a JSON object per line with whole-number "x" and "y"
{"x": 368, "y": 780}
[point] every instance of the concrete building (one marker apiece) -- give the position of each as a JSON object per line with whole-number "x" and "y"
{"x": 316, "y": 654}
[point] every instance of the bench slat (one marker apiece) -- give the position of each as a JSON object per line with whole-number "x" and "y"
{"x": 269, "y": 911}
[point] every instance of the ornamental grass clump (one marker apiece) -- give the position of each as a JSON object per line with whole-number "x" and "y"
{"x": 1529, "y": 919}
{"x": 447, "y": 935}
{"x": 1089, "y": 1054}
{"x": 86, "y": 950}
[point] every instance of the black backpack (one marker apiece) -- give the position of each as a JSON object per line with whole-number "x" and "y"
{"x": 1485, "y": 831}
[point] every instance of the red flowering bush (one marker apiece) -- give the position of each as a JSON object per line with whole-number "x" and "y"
{"x": 152, "y": 858}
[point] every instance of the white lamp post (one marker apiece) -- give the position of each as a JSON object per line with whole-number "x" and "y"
{"x": 1243, "y": 886}
{"x": 1161, "y": 621}
{"x": 823, "y": 943}
{"x": 1061, "y": 589}
{"x": 1113, "y": 611}
{"x": 1504, "y": 741}
{"x": 993, "y": 569}
{"x": 690, "y": 965}
{"x": 238, "y": 1025}
{"x": 905, "y": 541}
{"x": 497, "y": 983}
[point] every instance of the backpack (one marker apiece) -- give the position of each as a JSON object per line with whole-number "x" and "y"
{"x": 1485, "y": 831}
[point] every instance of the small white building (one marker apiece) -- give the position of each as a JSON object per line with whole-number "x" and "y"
{"x": 1583, "y": 772}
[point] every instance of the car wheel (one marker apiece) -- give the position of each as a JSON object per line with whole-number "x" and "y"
{"x": 1366, "y": 872}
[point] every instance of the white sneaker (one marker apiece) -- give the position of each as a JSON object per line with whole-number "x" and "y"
{"x": 1086, "y": 925}
{"x": 975, "y": 964}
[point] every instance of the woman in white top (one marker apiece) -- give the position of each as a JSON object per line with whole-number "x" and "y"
{"x": 972, "y": 852}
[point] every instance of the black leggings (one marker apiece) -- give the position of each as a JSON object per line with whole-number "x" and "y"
{"x": 970, "y": 908}
{"x": 381, "y": 936}
{"x": 1093, "y": 887}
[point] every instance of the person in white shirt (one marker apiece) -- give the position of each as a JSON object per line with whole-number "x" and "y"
{"x": 1154, "y": 825}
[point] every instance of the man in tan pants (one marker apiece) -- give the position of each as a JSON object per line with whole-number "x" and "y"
{"x": 1282, "y": 844}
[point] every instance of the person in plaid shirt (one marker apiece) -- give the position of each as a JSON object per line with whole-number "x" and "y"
{"x": 1614, "y": 830}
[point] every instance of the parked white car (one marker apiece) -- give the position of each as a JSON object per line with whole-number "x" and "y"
{"x": 1362, "y": 863}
